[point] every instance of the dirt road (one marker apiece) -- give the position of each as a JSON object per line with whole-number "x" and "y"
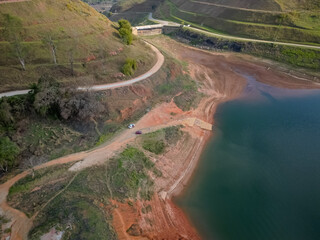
{"x": 153, "y": 70}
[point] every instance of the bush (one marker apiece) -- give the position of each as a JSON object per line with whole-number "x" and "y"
{"x": 129, "y": 67}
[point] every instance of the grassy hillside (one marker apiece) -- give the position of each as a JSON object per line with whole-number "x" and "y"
{"x": 270, "y": 5}
{"x": 256, "y": 19}
{"x": 123, "y": 5}
{"x": 82, "y": 37}
{"x": 299, "y": 4}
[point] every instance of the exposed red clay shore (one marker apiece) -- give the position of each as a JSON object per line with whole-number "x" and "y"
{"x": 159, "y": 218}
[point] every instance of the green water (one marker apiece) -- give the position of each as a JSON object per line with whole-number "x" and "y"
{"x": 259, "y": 177}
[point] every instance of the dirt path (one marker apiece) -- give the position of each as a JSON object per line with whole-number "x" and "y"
{"x": 153, "y": 70}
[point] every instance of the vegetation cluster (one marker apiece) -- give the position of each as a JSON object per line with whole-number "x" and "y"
{"x": 157, "y": 142}
{"x": 125, "y": 31}
{"x": 129, "y": 67}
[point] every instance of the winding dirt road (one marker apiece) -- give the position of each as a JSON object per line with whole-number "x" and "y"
{"x": 153, "y": 70}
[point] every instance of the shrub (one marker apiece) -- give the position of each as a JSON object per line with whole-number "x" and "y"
{"x": 129, "y": 67}
{"x": 47, "y": 97}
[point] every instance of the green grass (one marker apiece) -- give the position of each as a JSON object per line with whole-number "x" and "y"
{"x": 84, "y": 215}
{"x": 108, "y": 131}
{"x": 126, "y": 4}
{"x": 154, "y": 142}
{"x": 186, "y": 88}
{"x": 51, "y": 138}
{"x": 128, "y": 175}
{"x": 157, "y": 142}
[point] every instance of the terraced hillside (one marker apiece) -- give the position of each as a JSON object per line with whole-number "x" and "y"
{"x": 67, "y": 39}
{"x": 271, "y": 20}
{"x": 135, "y": 11}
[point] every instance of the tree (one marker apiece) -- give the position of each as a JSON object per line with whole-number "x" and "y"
{"x": 125, "y": 31}
{"x": 8, "y": 153}
{"x": 126, "y": 35}
{"x": 80, "y": 106}
{"x": 13, "y": 33}
{"x": 47, "y": 40}
{"x": 73, "y": 49}
{"x": 124, "y": 24}
{"x": 6, "y": 118}
{"x": 46, "y": 101}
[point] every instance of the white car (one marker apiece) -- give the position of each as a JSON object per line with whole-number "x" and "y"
{"x": 131, "y": 126}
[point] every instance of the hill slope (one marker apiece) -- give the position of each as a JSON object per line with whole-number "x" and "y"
{"x": 270, "y": 20}
{"x": 82, "y": 38}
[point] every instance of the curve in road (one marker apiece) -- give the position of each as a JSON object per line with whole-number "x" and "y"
{"x": 153, "y": 70}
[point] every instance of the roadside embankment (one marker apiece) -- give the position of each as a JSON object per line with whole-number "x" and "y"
{"x": 294, "y": 56}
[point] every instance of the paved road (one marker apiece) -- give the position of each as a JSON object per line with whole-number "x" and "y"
{"x": 153, "y": 70}
{"x": 235, "y": 38}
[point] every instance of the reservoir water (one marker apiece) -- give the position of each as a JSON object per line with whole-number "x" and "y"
{"x": 259, "y": 177}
